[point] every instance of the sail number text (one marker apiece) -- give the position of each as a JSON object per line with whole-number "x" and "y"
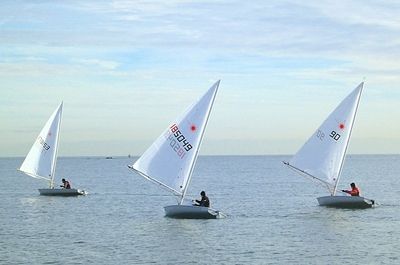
{"x": 178, "y": 141}
{"x": 334, "y": 135}
{"x": 42, "y": 144}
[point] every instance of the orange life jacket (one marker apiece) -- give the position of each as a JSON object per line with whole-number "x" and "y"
{"x": 355, "y": 192}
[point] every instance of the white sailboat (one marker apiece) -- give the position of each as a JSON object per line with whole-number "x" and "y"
{"x": 41, "y": 160}
{"x": 170, "y": 160}
{"x": 322, "y": 157}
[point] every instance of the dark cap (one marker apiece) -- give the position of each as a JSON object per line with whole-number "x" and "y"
{"x": 203, "y": 193}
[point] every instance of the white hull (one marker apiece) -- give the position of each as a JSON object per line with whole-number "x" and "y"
{"x": 61, "y": 192}
{"x": 346, "y": 202}
{"x": 192, "y": 212}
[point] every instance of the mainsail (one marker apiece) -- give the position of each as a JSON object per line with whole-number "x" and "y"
{"x": 322, "y": 156}
{"x": 41, "y": 159}
{"x": 170, "y": 160}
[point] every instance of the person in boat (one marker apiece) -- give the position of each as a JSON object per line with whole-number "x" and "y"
{"x": 354, "y": 190}
{"x": 205, "y": 201}
{"x": 66, "y": 184}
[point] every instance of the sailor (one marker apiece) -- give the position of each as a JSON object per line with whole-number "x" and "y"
{"x": 66, "y": 184}
{"x": 354, "y": 190}
{"x": 205, "y": 202}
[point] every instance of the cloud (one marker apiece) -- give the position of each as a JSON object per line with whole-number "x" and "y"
{"x": 96, "y": 62}
{"x": 146, "y": 60}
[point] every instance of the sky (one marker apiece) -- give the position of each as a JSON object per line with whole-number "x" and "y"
{"x": 126, "y": 69}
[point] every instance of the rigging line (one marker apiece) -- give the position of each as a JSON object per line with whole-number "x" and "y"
{"x": 309, "y": 177}
{"x": 155, "y": 181}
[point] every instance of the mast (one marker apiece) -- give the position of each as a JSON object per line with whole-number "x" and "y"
{"x": 348, "y": 138}
{"x": 56, "y": 152}
{"x": 200, "y": 142}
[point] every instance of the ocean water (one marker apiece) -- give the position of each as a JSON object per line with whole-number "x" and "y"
{"x": 273, "y": 215}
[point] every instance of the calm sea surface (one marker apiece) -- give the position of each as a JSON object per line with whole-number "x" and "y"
{"x": 273, "y": 215}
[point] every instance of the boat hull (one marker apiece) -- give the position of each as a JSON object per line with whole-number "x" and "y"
{"x": 61, "y": 192}
{"x": 352, "y": 202}
{"x": 192, "y": 212}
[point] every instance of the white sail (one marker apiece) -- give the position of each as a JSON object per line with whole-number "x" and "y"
{"x": 322, "y": 156}
{"x": 41, "y": 159}
{"x": 171, "y": 158}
